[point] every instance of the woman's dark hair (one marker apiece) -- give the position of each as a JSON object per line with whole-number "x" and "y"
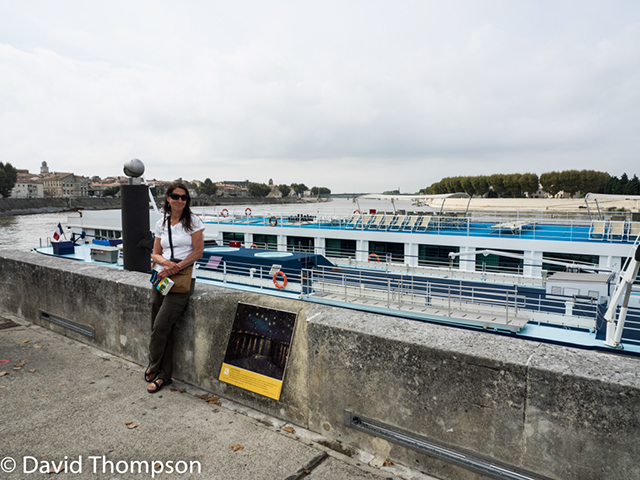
{"x": 185, "y": 219}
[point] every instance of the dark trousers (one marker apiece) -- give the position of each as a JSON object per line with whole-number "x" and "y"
{"x": 165, "y": 312}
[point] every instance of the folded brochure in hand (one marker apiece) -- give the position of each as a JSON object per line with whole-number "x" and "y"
{"x": 163, "y": 285}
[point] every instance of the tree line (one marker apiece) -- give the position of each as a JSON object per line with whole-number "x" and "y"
{"x": 262, "y": 189}
{"x": 209, "y": 189}
{"x": 516, "y": 185}
{"x": 8, "y": 179}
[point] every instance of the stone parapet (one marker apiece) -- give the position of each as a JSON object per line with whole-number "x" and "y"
{"x": 558, "y": 412}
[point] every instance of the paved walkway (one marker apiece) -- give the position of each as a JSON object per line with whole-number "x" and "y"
{"x": 63, "y": 401}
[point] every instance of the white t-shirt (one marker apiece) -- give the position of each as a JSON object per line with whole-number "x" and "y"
{"x": 182, "y": 244}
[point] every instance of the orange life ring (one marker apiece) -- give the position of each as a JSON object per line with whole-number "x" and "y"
{"x": 224, "y": 213}
{"x": 373, "y": 255}
{"x": 356, "y": 211}
{"x": 247, "y": 211}
{"x": 284, "y": 280}
{"x": 273, "y": 221}
{"x": 253, "y": 245}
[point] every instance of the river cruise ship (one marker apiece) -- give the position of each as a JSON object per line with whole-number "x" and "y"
{"x": 543, "y": 274}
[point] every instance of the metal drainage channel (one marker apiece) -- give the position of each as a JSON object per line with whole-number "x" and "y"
{"x": 469, "y": 461}
{"x": 71, "y": 325}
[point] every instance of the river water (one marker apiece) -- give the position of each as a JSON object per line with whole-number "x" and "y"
{"x": 25, "y": 232}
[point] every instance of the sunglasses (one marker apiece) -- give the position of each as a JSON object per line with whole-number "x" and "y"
{"x": 175, "y": 196}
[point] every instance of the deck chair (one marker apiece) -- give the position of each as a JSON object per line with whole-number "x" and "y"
{"x": 502, "y": 227}
{"x": 377, "y": 221}
{"x": 388, "y": 221}
{"x": 424, "y": 224}
{"x": 526, "y": 225}
{"x": 616, "y": 230}
{"x": 598, "y": 229}
{"x": 399, "y": 223}
{"x": 363, "y": 221}
{"x": 634, "y": 231}
{"x": 411, "y": 223}
{"x": 353, "y": 221}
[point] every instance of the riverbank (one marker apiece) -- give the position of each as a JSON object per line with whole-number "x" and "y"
{"x": 29, "y": 206}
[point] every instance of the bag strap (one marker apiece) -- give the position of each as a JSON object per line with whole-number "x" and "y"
{"x": 170, "y": 240}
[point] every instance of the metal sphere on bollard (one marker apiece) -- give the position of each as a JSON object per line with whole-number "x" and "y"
{"x": 134, "y": 168}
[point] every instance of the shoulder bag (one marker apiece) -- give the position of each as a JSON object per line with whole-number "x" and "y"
{"x": 182, "y": 279}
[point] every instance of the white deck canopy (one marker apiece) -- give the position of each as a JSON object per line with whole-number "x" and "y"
{"x": 610, "y": 196}
{"x": 606, "y": 196}
{"x": 442, "y": 196}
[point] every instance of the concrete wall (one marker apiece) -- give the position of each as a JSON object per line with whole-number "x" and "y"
{"x": 560, "y": 412}
{"x": 24, "y": 206}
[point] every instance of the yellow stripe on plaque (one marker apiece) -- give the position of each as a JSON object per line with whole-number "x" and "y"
{"x": 254, "y": 382}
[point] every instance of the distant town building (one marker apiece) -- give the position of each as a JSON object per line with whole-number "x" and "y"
{"x": 44, "y": 169}
{"x": 97, "y": 186}
{"x": 63, "y": 185}
{"x": 275, "y": 191}
{"x": 28, "y": 185}
{"x": 563, "y": 194}
{"x": 240, "y": 184}
{"x": 232, "y": 188}
{"x": 539, "y": 193}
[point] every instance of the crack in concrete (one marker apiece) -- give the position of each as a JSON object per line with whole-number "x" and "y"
{"x": 6, "y": 323}
{"x": 309, "y": 467}
{"x": 525, "y": 404}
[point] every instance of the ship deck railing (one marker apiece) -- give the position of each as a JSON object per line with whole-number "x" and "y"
{"x": 501, "y": 307}
{"x": 246, "y": 273}
{"x": 442, "y": 268}
{"x": 545, "y": 228}
{"x": 497, "y": 307}
{"x": 614, "y": 230}
{"x": 491, "y": 305}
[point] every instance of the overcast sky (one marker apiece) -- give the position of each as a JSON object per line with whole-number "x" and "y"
{"x": 357, "y": 96}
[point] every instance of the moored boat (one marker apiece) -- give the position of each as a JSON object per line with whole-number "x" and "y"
{"x": 535, "y": 274}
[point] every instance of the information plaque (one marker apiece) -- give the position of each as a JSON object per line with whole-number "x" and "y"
{"x": 258, "y": 349}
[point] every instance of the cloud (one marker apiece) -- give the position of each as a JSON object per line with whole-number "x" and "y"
{"x": 355, "y": 95}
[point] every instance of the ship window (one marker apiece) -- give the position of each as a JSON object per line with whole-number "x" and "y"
{"x": 568, "y": 258}
{"x": 102, "y": 234}
{"x": 232, "y": 236}
{"x": 336, "y": 247}
{"x": 437, "y": 255}
{"x": 388, "y": 251}
{"x": 300, "y": 244}
{"x": 266, "y": 242}
{"x": 570, "y": 292}
{"x": 499, "y": 263}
